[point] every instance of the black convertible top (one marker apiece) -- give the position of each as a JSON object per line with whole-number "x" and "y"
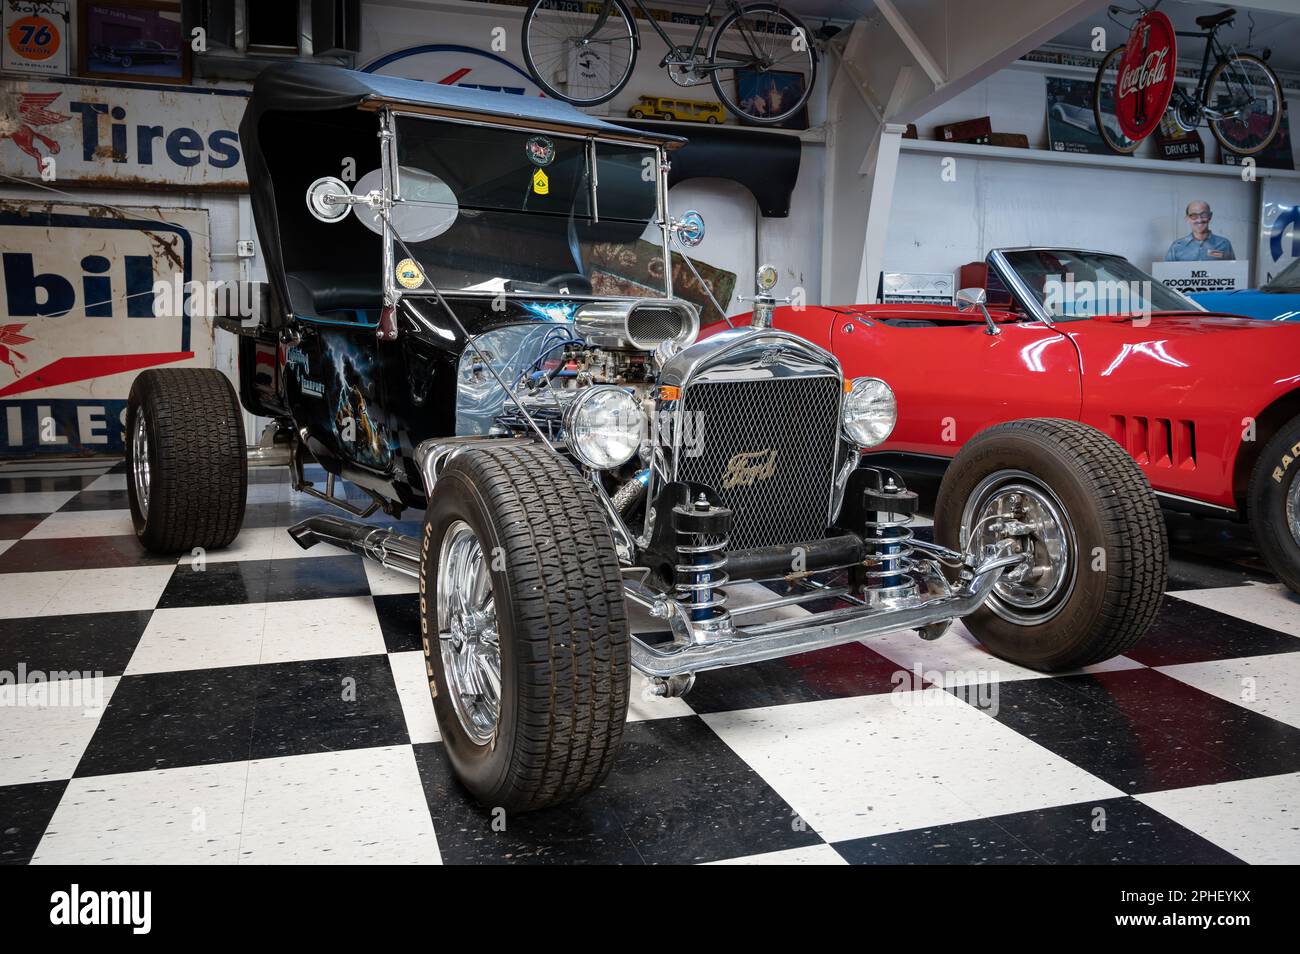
{"x": 305, "y": 89}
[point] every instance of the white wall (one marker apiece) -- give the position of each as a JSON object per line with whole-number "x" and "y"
{"x": 937, "y": 225}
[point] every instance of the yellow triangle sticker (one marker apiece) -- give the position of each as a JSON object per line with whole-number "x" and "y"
{"x": 541, "y": 185}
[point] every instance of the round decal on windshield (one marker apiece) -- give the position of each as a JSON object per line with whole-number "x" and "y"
{"x": 540, "y": 151}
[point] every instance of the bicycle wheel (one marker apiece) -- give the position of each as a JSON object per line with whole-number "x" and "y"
{"x": 1243, "y": 85}
{"x": 762, "y": 63}
{"x": 571, "y": 58}
{"x": 1103, "y": 105}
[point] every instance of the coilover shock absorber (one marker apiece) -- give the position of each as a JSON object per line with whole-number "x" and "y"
{"x": 887, "y": 537}
{"x": 702, "y": 530}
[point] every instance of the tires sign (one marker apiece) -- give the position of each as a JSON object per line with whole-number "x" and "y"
{"x": 34, "y": 37}
{"x": 1146, "y": 76}
{"x": 78, "y": 294}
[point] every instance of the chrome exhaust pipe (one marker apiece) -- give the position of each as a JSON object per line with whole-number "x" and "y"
{"x": 388, "y": 548}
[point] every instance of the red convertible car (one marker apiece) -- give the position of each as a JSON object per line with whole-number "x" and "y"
{"x": 1208, "y": 404}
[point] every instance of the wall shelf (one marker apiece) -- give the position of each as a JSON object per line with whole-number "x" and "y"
{"x": 1124, "y": 163}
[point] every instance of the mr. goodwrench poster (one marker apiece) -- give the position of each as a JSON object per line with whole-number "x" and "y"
{"x": 81, "y": 314}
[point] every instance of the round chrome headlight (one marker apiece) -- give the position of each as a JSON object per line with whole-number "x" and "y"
{"x": 869, "y": 412}
{"x": 604, "y": 427}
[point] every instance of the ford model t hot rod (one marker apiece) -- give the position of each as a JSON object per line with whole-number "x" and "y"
{"x": 479, "y": 327}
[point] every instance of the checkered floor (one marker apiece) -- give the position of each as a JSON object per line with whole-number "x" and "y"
{"x": 269, "y": 705}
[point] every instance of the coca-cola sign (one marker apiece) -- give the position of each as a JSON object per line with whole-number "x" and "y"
{"x": 1146, "y": 75}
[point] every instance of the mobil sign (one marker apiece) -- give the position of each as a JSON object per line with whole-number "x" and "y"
{"x": 122, "y": 134}
{"x": 80, "y": 316}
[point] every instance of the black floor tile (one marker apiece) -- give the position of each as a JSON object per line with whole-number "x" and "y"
{"x": 1115, "y": 831}
{"x": 258, "y": 581}
{"x": 200, "y": 717}
{"x": 1142, "y": 734}
{"x": 848, "y": 670}
{"x": 15, "y": 526}
{"x": 45, "y": 485}
{"x": 977, "y": 842}
{"x": 25, "y": 812}
{"x": 78, "y": 553}
{"x": 1185, "y": 632}
{"x": 677, "y": 794}
{"x": 399, "y": 619}
{"x": 78, "y": 643}
{"x": 98, "y": 500}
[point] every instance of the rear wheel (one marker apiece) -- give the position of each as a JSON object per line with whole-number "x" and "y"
{"x": 1080, "y": 507}
{"x": 1274, "y": 504}
{"x": 526, "y": 637}
{"x": 187, "y": 465}
{"x": 1245, "y": 86}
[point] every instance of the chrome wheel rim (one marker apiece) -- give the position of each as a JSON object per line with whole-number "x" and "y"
{"x": 140, "y": 460}
{"x": 1013, "y": 505}
{"x": 1293, "y": 509}
{"x": 467, "y": 633}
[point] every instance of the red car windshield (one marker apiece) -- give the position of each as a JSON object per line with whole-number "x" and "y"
{"x": 1072, "y": 286}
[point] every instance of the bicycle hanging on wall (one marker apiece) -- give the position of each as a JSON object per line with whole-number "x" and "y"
{"x": 759, "y": 58}
{"x": 1236, "y": 94}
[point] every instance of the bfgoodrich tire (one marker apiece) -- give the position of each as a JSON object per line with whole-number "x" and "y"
{"x": 1274, "y": 504}
{"x": 1073, "y": 498}
{"x": 186, "y": 463}
{"x": 525, "y": 630}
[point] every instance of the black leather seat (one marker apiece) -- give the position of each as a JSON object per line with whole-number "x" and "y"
{"x": 320, "y": 292}
{"x": 1211, "y": 20}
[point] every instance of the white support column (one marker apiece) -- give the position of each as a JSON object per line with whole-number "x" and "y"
{"x": 883, "y": 173}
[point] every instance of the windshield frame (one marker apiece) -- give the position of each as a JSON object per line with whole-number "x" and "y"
{"x": 389, "y": 165}
{"x": 1033, "y": 305}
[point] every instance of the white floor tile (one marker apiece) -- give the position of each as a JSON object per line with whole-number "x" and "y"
{"x": 84, "y": 523}
{"x": 358, "y": 806}
{"x": 268, "y": 493}
{"x": 200, "y": 637}
{"x": 1267, "y": 604}
{"x": 321, "y": 629}
{"x": 108, "y": 482}
{"x": 267, "y": 543}
{"x": 385, "y": 582}
{"x": 45, "y": 727}
{"x": 46, "y": 502}
{"x": 811, "y": 855}
{"x": 873, "y": 764}
{"x": 173, "y": 816}
{"x": 1258, "y": 819}
{"x": 959, "y": 659}
{"x": 57, "y": 592}
{"x": 1270, "y": 685}
{"x": 413, "y": 692}
{"x": 6, "y": 544}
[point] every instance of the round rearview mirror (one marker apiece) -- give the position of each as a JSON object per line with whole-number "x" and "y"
{"x": 689, "y": 229}
{"x": 322, "y": 195}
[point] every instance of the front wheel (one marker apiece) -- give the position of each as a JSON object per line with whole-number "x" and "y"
{"x": 1274, "y": 504}
{"x": 525, "y": 630}
{"x": 1079, "y": 506}
{"x": 1103, "y": 105}
{"x": 1244, "y": 87}
{"x": 573, "y": 56}
{"x": 762, "y": 63}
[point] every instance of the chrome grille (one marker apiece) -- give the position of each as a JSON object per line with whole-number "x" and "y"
{"x": 776, "y": 438}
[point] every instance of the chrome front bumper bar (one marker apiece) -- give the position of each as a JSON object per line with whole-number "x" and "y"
{"x": 697, "y": 648}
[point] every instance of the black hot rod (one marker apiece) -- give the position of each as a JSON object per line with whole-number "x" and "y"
{"x": 482, "y": 326}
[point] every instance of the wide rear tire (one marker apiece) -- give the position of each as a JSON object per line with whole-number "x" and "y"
{"x": 1098, "y": 539}
{"x": 186, "y": 462}
{"x": 542, "y": 615}
{"x": 1274, "y": 504}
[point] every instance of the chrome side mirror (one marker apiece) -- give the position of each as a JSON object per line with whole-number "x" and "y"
{"x": 978, "y": 298}
{"x": 689, "y": 229}
{"x": 328, "y": 199}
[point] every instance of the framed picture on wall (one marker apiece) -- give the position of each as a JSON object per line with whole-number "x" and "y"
{"x": 134, "y": 39}
{"x": 760, "y": 93}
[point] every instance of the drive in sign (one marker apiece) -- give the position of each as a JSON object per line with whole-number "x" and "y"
{"x": 77, "y": 291}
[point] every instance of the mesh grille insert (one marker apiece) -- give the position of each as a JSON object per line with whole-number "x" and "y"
{"x": 768, "y": 448}
{"x": 655, "y": 324}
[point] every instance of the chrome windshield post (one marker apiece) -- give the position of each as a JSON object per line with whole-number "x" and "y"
{"x": 388, "y": 162}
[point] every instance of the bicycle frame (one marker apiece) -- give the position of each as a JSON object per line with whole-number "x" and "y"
{"x": 1212, "y": 45}
{"x": 695, "y": 61}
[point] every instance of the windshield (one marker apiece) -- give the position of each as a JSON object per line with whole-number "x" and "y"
{"x": 497, "y": 210}
{"x": 1076, "y": 285}
{"x": 1287, "y": 280}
